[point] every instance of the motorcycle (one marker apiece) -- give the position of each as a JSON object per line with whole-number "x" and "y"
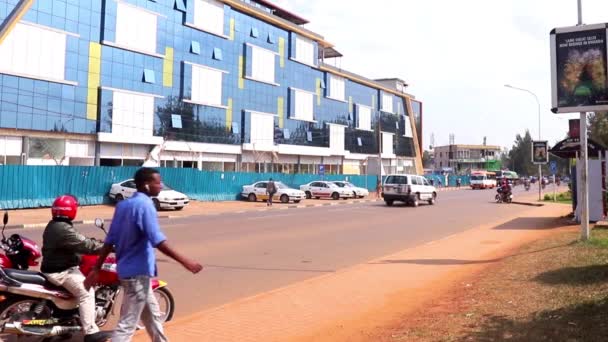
{"x": 527, "y": 186}
{"x": 503, "y": 197}
{"x": 31, "y": 305}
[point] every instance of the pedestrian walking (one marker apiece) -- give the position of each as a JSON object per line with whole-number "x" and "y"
{"x": 134, "y": 234}
{"x": 458, "y": 182}
{"x": 271, "y": 189}
{"x": 378, "y": 188}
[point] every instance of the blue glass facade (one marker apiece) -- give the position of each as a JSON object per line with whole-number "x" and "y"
{"x": 36, "y": 104}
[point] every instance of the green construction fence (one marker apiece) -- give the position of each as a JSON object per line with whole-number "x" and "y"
{"x": 24, "y": 186}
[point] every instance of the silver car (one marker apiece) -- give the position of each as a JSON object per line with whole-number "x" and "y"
{"x": 323, "y": 189}
{"x": 166, "y": 199}
{"x": 257, "y": 191}
{"x": 357, "y": 191}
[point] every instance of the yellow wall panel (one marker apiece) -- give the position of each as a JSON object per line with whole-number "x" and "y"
{"x": 168, "y": 67}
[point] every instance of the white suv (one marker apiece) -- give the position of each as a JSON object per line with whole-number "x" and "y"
{"x": 410, "y": 189}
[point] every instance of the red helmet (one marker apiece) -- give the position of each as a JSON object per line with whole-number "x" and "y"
{"x": 65, "y": 206}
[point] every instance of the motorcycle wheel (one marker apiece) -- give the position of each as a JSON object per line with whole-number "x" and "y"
{"x": 497, "y": 198}
{"x": 16, "y": 308}
{"x": 166, "y": 304}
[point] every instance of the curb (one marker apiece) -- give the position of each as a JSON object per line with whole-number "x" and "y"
{"x": 168, "y": 217}
{"x": 529, "y": 204}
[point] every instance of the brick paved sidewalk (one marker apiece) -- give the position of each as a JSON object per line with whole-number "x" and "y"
{"x": 315, "y": 309}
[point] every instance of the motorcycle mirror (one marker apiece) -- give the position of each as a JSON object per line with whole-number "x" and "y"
{"x": 5, "y": 219}
{"x": 99, "y": 222}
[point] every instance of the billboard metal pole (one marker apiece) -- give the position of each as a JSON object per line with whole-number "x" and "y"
{"x": 584, "y": 186}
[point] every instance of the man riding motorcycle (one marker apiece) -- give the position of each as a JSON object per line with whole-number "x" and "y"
{"x": 504, "y": 189}
{"x": 62, "y": 246}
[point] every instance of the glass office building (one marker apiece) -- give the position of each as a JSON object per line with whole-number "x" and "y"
{"x": 217, "y": 85}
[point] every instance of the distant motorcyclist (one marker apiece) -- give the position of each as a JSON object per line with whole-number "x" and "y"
{"x": 62, "y": 246}
{"x": 505, "y": 188}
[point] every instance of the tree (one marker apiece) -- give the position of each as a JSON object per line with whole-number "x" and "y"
{"x": 598, "y": 127}
{"x": 520, "y": 156}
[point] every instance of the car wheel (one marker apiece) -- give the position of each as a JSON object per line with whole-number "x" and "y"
{"x": 416, "y": 200}
{"x": 296, "y": 201}
{"x": 252, "y": 198}
{"x": 335, "y": 196}
{"x": 433, "y": 199}
{"x": 389, "y": 202}
{"x": 156, "y": 203}
{"x": 118, "y": 198}
{"x": 284, "y": 198}
{"x": 308, "y": 195}
{"x": 355, "y": 194}
{"x": 317, "y": 197}
{"x": 179, "y": 208}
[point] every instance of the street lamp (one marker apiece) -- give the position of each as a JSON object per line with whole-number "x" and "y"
{"x": 540, "y": 175}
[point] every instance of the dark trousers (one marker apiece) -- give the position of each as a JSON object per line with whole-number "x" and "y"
{"x": 270, "y": 195}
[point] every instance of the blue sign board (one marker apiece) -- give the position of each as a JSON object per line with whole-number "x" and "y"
{"x": 321, "y": 170}
{"x": 553, "y": 166}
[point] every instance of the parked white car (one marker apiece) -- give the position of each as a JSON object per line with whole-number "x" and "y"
{"x": 166, "y": 199}
{"x": 357, "y": 191}
{"x": 257, "y": 191}
{"x": 410, "y": 189}
{"x": 323, "y": 189}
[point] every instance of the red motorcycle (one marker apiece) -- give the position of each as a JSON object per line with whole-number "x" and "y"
{"x": 31, "y": 305}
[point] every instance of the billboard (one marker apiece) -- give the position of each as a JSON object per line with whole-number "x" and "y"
{"x": 579, "y": 79}
{"x": 540, "y": 152}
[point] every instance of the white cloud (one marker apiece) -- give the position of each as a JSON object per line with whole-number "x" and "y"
{"x": 456, "y": 56}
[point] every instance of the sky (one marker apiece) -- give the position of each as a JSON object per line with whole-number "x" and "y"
{"x": 456, "y": 57}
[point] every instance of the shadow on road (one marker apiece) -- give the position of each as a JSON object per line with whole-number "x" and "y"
{"x": 447, "y": 262}
{"x": 584, "y": 275}
{"x": 583, "y": 322}
{"x": 532, "y": 223}
{"x": 435, "y": 262}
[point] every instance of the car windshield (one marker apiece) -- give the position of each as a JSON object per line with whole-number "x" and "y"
{"x": 396, "y": 180}
{"x": 166, "y": 187}
{"x": 340, "y": 184}
{"x": 350, "y": 184}
{"x": 476, "y": 177}
{"x": 280, "y": 185}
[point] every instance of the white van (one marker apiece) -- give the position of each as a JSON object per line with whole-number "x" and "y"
{"x": 410, "y": 189}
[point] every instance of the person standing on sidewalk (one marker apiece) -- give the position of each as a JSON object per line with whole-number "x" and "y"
{"x": 134, "y": 234}
{"x": 271, "y": 189}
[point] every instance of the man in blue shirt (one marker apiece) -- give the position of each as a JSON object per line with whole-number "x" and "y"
{"x": 133, "y": 235}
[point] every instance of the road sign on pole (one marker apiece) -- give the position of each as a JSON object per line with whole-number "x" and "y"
{"x": 553, "y": 167}
{"x": 321, "y": 170}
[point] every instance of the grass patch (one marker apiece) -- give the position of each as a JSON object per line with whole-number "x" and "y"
{"x": 562, "y": 197}
{"x": 551, "y": 290}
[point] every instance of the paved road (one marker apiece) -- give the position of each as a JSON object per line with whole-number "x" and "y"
{"x": 249, "y": 253}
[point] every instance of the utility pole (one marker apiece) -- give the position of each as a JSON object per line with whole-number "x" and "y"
{"x": 584, "y": 186}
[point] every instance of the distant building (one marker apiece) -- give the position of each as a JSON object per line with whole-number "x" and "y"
{"x": 464, "y": 158}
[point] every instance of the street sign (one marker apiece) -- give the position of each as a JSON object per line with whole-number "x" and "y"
{"x": 553, "y": 167}
{"x": 321, "y": 170}
{"x": 540, "y": 152}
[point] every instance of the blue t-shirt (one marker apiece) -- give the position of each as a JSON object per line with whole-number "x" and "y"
{"x": 135, "y": 233}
